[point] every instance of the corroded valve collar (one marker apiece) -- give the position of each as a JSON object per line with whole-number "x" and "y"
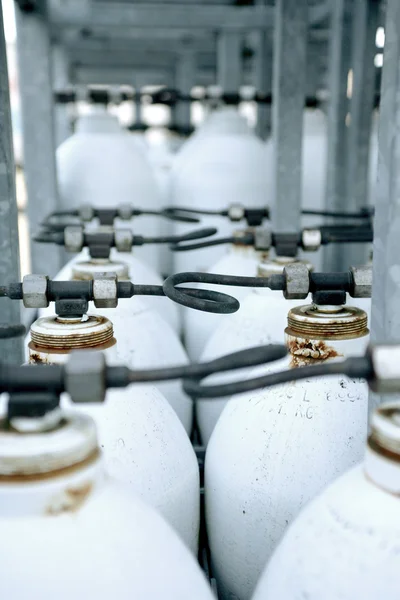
{"x": 54, "y": 333}
{"x": 311, "y": 322}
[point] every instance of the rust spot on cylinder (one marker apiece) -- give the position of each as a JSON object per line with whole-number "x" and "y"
{"x": 308, "y": 352}
{"x": 69, "y": 500}
{"x": 36, "y": 359}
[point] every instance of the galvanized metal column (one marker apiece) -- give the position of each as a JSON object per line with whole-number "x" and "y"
{"x": 61, "y": 81}
{"x": 385, "y": 326}
{"x": 263, "y": 81}
{"x": 184, "y": 81}
{"x": 365, "y": 22}
{"x": 289, "y": 81}
{"x": 34, "y": 61}
{"x": 10, "y": 350}
{"x": 229, "y": 60}
{"x": 138, "y": 107}
{"x": 338, "y": 106}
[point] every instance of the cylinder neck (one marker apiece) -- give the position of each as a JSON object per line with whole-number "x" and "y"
{"x": 52, "y": 338}
{"x": 100, "y": 122}
{"x": 275, "y": 266}
{"x": 86, "y": 270}
{"x": 51, "y": 471}
{"x": 382, "y": 461}
{"x": 327, "y": 322}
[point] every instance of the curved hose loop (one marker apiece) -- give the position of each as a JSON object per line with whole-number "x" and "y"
{"x": 192, "y": 235}
{"x": 359, "y": 366}
{"x": 57, "y": 227}
{"x": 169, "y": 213}
{"x": 198, "y": 299}
{"x": 11, "y": 331}
{"x": 49, "y": 236}
{"x": 245, "y": 240}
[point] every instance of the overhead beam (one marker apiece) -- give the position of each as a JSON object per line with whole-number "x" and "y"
{"x": 86, "y": 13}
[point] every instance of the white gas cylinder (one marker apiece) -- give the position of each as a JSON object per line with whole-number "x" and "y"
{"x": 199, "y": 326}
{"x": 146, "y": 340}
{"x": 261, "y": 319}
{"x": 272, "y": 451}
{"x": 344, "y": 544}
{"x": 126, "y": 266}
{"x": 225, "y": 167}
{"x": 144, "y": 443}
{"x": 100, "y": 165}
{"x": 74, "y": 532}
{"x": 224, "y": 120}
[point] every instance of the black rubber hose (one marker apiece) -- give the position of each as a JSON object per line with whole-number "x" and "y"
{"x": 11, "y": 331}
{"x": 175, "y": 239}
{"x": 178, "y": 247}
{"x": 355, "y": 367}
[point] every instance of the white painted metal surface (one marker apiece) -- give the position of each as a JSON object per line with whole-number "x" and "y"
{"x": 224, "y": 167}
{"x": 262, "y": 319}
{"x": 74, "y": 532}
{"x": 144, "y": 443}
{"x": 101, "y": 165}
{"x": 199, "y": 326}
{"x": 344, "y": 543}
{"x": 273, "y": 450}
{"x": 145, "y": 340}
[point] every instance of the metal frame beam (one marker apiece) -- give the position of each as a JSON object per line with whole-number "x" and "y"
{"x": 229, "y": 60}
{"x": 338, "y": 105}
{"x": 365, "y": 23}
{"x": 289, "y": 83}
{"x": 385, "y": 326}
{"x": 263, "y": 81}
{"x": 61, "y": 80}
{"x": 185, "y": 79}
{"x": 34, "y": 62}
{"x": 11, "y": 351}
{"x": 86, "y": 13}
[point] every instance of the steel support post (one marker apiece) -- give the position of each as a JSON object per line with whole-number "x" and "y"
{"x": 365, "y": 22}
{"x": 61, "y": 81}
{"x": 385, "y": 326}
{"x": 338, "y": 106}
{"x": 229, "y": 61}
{"x": 34, "y": 61}
{"x": 289, "y": 81}
{"x": 184, "y": 81}
{"x": 138, "y": 106}
{"x": 263, "y": 81}
{"x": 11, "y": 351}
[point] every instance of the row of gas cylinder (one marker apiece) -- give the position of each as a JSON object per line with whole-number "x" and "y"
{"x": 268, "y": 453}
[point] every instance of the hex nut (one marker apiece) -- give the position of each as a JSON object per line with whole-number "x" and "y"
{"x": 105, "y": 293}
{"x": 86, "y": 212}
{"x": 297, "y": 281}
{"x": 125, "y": 212}
{"x": 236, "y": 212}
{"x": 311, "y": 239}
{"x": 262, "y": 238}
{"x": 34, "y": 291}
{"x": 123, "y": 240}
{"x": 73, "y": 238}
{"x": 85, "y": 376}
{"x": 362, "y": 282}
